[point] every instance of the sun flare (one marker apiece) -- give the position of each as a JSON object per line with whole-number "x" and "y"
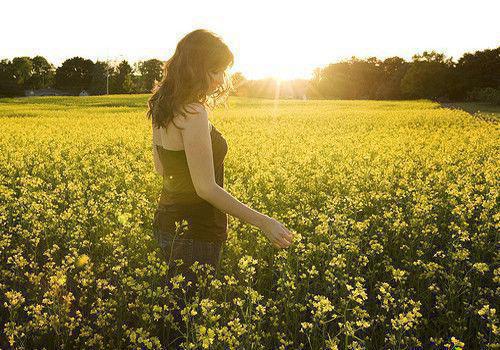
{"x": 280, "y": 73}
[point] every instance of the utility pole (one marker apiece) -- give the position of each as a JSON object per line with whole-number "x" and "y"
{"x": 107, "y": 80}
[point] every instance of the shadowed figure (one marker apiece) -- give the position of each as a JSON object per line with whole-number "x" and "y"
{"x": 189, "y": 152}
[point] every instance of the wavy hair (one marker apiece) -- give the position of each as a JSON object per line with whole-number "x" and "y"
{"x": 186, "y": 77}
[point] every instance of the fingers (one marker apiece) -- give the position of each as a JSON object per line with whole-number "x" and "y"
{"x": 287, "y": 235}
{"x": 284, "y": 239}
{"x": 278, "y": 243}
{"x": 287, "y": 232}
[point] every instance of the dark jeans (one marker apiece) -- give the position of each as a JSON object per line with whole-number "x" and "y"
{"x": 188, "y": 250}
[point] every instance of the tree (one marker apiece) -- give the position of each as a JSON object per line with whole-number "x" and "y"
{"x": 365, "y": 75}
{"x": 480, "y": 69}
{"x": 42, "y": 74}
{"x": 428, "y": 76}
{"x": 98, "y": 84}
{"x": 392, "y": 71}
{"x": 335, "y": 82}
{"x": 312, "y": 90}
{"x": 74, "y": 75}
{"x": 349, "y": 79}
{"x": 8, "y": 83}
{"x": 22, "y": 68}
{"x": 150, "y": 71}
{"x": 122, "y": 78}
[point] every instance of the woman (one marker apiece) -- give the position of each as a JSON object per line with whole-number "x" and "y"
{"x": 190, "y": 222}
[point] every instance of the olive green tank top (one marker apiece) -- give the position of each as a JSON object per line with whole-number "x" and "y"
{"x": 179, "y": 201}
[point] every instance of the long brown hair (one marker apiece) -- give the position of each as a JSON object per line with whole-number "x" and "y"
{"x": 186, "y": 77}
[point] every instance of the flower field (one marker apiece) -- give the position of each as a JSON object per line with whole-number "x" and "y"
{"x": 395, "y": 206}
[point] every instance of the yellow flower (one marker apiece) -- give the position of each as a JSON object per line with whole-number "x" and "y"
{"x": 14, "y": 299}
{"x": 306, "y": 325}
{"x": 207, "y": 336}
{"x": 82, "y": 260}
{"x": 481, "y": 267}
{"x": 123, "y": 218}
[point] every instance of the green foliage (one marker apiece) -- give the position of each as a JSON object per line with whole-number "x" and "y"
{"x": 74, "y": 75}
{"x": 426, "y": 80}
{"x": 24, "y": 73}
{"x": 429, "y": 75}
{"x": 122, "y": 80}
{"x": 151, "y": 71}
{"x": 485, "y": 95}
{"x": 42, "y": 75}
{"x": 100, "y": 79}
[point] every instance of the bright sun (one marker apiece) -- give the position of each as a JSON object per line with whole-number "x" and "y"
{"x": 277, "y": 72}
{"x": 287, "y": 74}
{"x": 283, "y": 75}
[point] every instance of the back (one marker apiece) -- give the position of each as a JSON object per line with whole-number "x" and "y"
{"x": 179, "y": 200}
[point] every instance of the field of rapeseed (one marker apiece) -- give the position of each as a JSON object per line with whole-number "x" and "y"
{"x": 395, "y": 206}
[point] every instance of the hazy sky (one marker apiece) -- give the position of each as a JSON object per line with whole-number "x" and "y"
{"x": 280, "y": 38}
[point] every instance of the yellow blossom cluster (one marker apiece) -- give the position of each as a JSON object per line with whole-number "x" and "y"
{"x": 394, "y": 205}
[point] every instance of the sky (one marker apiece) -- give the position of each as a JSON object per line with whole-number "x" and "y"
{"x": 283, "y": 39}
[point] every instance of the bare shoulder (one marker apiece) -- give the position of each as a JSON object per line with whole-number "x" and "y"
{"x": 194, "y": 114}
{"x": 192, "y": 109}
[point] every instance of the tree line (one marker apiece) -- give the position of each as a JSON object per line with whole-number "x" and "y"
{"x": 77, "y": 74}
{"x": 431, "y": 75}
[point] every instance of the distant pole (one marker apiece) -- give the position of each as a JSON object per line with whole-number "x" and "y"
{"x": 107, "y": 80}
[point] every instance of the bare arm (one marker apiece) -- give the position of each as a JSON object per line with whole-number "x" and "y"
{"x": 198, "y": 148}
{"x": 221, "y": 199}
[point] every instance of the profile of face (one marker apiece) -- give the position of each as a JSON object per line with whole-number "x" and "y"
{"x": 216, "y": 78}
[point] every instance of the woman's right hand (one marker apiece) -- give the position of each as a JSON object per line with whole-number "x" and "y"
{"x": 277, "y": 233}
